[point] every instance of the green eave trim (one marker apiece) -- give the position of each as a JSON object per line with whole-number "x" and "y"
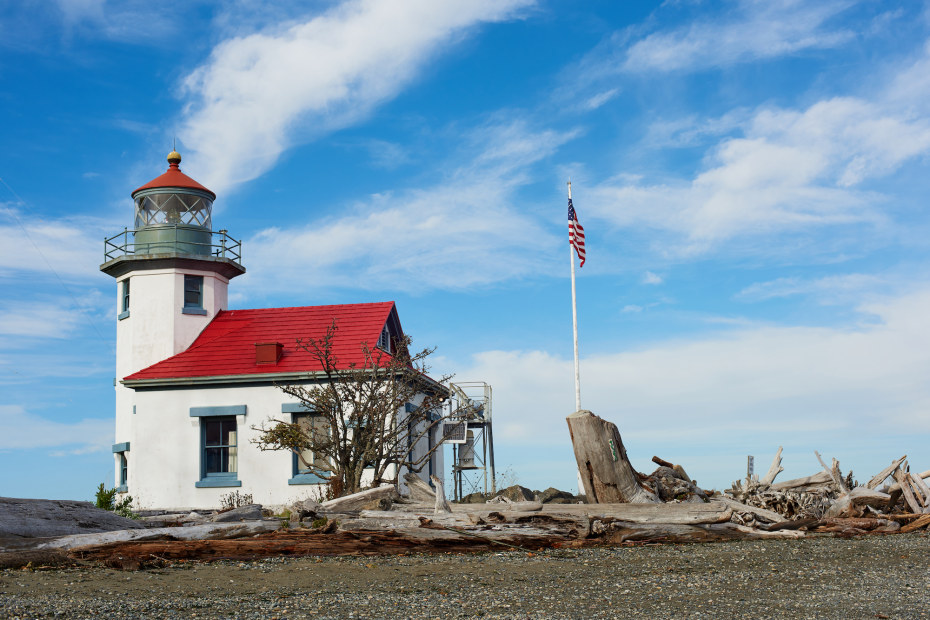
{"x": 261, "y": 379}
{"x": 268, "y": 378}
{"x": 121, "y": 447}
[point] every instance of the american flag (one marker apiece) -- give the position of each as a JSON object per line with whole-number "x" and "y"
{"x": 575, "y": 232}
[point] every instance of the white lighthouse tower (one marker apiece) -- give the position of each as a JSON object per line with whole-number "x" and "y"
{"x": 172, "y": 272}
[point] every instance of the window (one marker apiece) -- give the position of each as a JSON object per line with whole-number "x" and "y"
{"x": 123, "y": 471}
{"x": 124, "y": 305}
{"x": 122, "y": 463}
{"x": 315, "y": 426}
{"x": 384, "y": 341}
{"x": 193, "y": 295}
{"x": 219, "y": 452}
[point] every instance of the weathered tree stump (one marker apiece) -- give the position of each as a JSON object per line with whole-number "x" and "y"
{"x": 606, "y": 473}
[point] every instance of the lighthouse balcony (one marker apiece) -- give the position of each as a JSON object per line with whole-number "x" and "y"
{"x": 153, "y": 245}
{"x": 177, "y": 239}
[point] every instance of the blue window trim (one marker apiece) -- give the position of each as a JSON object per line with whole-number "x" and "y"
{"x": 124, "y": 301}
{"x": 409, "y": 407}
{"x": 219, "y": 479}
{"x": 122, "y": 315}
{"x": 199, "y": 311}
{"x": 306, "y": 477}
{"x": 227, "y": 410}
{"x": 122, "y": 488}
{"x": 121, "y": 447}
{"x": 296, "y": 408}
{"x": 193, "y": 306}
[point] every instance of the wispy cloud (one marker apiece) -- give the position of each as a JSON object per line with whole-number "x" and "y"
{"x": 126, "y": 20}
{"x": 831, "y": 289}
{"x": 464, "y": 231}
{"x": 753, "y": 30}
{"x": 789, "y": 170}
{"x": 23, "y": 430}
{"x": 36, "y": 320}
{"x": 260, "y": 93}
{"x": 31, "y": 245}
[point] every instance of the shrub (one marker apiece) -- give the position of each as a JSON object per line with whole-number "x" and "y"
{"x": 234, "y": 499}
{"x": 106, "y": 500}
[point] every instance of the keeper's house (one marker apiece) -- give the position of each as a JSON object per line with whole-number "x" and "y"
{"x": 194, "y": 377}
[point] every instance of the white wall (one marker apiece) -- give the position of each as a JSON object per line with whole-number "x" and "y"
{"x": 164, "y": 458}
{"x": 156, "y": 328}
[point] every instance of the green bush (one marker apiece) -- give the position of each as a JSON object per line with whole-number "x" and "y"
{"x": 106, "y": 500}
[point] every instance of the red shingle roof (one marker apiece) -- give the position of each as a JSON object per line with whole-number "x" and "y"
{"x": 227, "y": 345}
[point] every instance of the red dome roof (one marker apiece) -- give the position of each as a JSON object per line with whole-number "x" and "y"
{"x": 174, "y": 178}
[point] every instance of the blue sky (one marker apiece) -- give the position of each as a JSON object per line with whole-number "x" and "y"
{"x": 752, "y": 178}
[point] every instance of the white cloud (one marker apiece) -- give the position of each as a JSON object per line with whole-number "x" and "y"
{"x": 466, "y": 231}
{"x": 831, "y": 289}
{"x": 755, "y": 30}
{"x": 258, "y": 94}
{"x": 37, "y": 320}
{"x": 67, "y": 245}
{"x": 596, "y": 101}
{"x": 130, "y": 21}
{"x": 722, "y": 394}
{"x": 651, "y": 278}
{"x": 22, "y": 430}
{"x": 789, "y": 170}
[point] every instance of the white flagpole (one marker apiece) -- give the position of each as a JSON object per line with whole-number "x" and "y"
{"x": 571, "y": 257}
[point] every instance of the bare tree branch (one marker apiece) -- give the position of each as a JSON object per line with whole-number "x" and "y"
{"x": 363, "y": 411}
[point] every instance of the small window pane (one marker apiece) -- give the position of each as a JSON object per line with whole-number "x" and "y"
{"x": 213, "y": 432}
{"x": 219, "y": 450}
{"x": 123, "y": 469}
{"x": 213, "y": 459}
{"x": 193, "y": 291}
{"x": 317, "y": 428}
{"x": 125, "y": 294}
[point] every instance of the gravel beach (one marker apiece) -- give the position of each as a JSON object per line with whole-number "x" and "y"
{"x": 820, "y": 577}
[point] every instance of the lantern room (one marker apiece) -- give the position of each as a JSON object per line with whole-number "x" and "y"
{"x": 173, "y": 213}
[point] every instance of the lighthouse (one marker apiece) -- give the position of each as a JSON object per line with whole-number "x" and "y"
{"x": 195, "y": 380}
{"x": 172, "y": 273}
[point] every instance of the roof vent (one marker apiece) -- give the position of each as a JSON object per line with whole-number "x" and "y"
{"x": 268, "y": 352}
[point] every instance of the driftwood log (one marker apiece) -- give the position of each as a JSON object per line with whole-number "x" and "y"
{"x": 360, "y": 500}
{"x": 606, "y": 473}
{"x": 907, "y": 487}
{"x": 881, "y": 476}
{"x": 420, "y": 492}
{"x": 804, "y": 484}
{"x": 774, "y": 469}
{"x": 678, "y": 469}
{"x": 442, "y": 504}
{"x": 834, "y": 472}
{"x": 850, "y": 504}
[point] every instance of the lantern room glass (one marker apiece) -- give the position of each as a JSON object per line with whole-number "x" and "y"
{"x": 172, "y": 209}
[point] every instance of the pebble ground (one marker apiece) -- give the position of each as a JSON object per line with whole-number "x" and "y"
{"x": 867, "y": 577}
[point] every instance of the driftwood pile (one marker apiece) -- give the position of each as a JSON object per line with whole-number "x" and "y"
{"x": 893, "y": 500}
{"x": 889, "y": 496}
{"x": 622, "y": 506}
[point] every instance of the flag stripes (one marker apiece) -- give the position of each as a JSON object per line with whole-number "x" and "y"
{"x": 575, "y": 233}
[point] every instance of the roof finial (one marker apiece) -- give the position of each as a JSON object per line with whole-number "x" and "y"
{"x": 174, "y": 158}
